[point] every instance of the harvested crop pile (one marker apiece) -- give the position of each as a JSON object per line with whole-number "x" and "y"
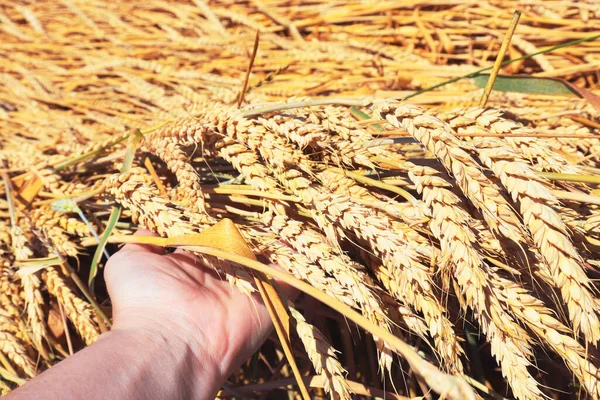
{"x": 470, "y": 233}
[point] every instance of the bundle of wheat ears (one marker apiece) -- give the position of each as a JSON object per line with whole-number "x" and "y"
{"x": 469, "y": 235}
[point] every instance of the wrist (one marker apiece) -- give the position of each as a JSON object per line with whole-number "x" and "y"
{"x": 172, "y": 353}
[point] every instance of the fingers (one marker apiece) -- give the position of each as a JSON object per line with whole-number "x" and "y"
{"x": 144, "y": 247}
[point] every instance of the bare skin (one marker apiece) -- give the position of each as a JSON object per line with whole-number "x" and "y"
{"x": 179, "y": 331}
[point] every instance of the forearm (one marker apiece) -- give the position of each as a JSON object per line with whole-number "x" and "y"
{"x": 128, "y": 365}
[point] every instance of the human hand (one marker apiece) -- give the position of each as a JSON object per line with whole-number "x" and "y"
{"x": 176, "y": 298}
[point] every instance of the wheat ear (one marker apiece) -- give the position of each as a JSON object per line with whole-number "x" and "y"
{"x": 552, "y": 333}
{"x": 561, "y": 263}
{"x": 304, "y": 133}
{"x": 437, "y": 137}
{"x": 47, "y": 217}
{"x": 30, "y": 284}
{"x": 10, "y": 292}
{"x": 459, "y": 257}
{"x": 322, "y": 355}
{"x": 33, "y": 308}
{"x": 78, "y": 311}
{"x": 403, "y": 275}
{"x": 479, "y": 120}
{"x": 348, "y": 273}
{"x": 13, "y": 347}
{"x": 156, "y": 214}
{"x": 189, "y": 192}
{"x": 337, "y": 182}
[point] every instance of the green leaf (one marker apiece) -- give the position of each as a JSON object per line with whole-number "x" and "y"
{"x": 112, "y": 221}
{"x": 525, "y": 84}
{"x": 532, "y": 85}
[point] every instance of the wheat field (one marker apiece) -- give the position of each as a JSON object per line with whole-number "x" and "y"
{"x": 471, "y": 234}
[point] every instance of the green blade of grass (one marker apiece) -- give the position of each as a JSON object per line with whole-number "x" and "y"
{"x": 525, "y": 84}
{"x": 533, "y": 85}
{"x": 114, "y": 214}
{"x": 361, "y": 115}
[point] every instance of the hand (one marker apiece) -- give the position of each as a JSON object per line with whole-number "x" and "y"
{"x": 185, "y": 303}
